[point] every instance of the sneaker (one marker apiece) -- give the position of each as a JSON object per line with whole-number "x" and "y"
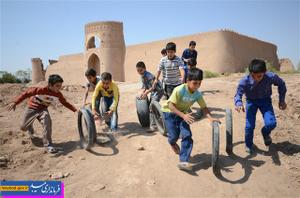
{"x": 185, "y": 166}
{"x": 249, "y": 150}
{"x": 51, "y": 149}
{"x": 175, "y": 148}
{"x": 267, "y": 140}
{"x": 152, "y": 129}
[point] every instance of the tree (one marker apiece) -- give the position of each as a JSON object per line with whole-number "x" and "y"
{"x": 23, "y": 75}
{"x": 9, "y": 78}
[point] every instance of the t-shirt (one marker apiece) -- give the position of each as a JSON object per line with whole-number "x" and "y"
{"x": 187, "y": 54}
{"x": 147, "y": 82}
{"x": 91, "y": 86}
{"x": 171, "y": 70}
{"x": 42, "y": 97}
{"x": 112, "y": 91}
{"x": 183, "y": 99}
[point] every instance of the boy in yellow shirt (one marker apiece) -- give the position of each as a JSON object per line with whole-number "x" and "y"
{"x": 109, "y": 90}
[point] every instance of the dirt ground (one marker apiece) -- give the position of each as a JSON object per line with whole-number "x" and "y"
{"x": 141, "y": 164}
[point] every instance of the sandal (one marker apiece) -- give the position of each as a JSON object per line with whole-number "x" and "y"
{"x": 176, "y": 148}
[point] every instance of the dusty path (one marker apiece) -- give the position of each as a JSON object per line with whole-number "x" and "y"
{"x": 124, "y": 169}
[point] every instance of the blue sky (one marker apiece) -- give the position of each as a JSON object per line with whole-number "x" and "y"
{"x": 48, "y": 29}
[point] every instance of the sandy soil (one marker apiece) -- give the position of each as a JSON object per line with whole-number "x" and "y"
{"x": 140, "y": 164}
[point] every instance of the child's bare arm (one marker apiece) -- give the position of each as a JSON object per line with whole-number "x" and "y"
{"x": 182, "y": 74}
{"x": 187, "y": 117}
{"x": 85, "y": 96}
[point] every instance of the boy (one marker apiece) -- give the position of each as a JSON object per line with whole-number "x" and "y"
{"x": 109, "y": 90}
{"x": 163, "y": 52}
{"x": 156, "y": 91}
{"x": 40, "y": 99}
{"x": 190, "y": 64}
{"x": 189, "y": 52}
{"x": 172, "y": 68}
{"x": 93, "y": 79}
{"x": 177, "y": 118}
{"x": 257, "y": 86}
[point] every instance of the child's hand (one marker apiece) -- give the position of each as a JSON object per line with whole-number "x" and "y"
{"x": 11, "y": 106}
{"x": 143, "y": 96}
{"x": 188, "y": 118}
{"x": 240, "y": 108}
{"x": 282, "y": 105}
{"x": 109, "y": 113}
{"x": 96, "y": 114}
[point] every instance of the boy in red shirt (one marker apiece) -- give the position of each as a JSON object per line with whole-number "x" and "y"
{"x": 37, "y": 108}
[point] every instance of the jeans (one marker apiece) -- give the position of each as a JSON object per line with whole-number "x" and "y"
{"x": 169, "y": 89}
{"x": 176, "y": 127}
{"x": 113, "y": 121}
{"x": 266, "y": 109}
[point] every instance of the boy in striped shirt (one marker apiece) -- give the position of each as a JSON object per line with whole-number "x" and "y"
{"x": 171, "y": 66}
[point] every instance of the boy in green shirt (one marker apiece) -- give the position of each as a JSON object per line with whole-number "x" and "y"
{"x": 177, "y": 118}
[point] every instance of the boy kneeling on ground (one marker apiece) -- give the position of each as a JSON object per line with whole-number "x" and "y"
{"x": 109, "y": 90}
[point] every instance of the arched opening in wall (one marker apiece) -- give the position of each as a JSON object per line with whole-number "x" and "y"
{"x": 94, "y": 42}
{"x": 94, "y": 62}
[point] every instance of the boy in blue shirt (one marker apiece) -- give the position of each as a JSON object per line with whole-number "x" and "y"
{"x": 178, "y": 119}
{"x": 257, "y": 86}
{"x": 93, "y": 79}
{"x": 147, "y": 87}
{"x": 189, "y": 52}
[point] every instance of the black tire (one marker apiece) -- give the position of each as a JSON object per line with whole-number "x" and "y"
{"x": 215, "y": 146}
{"x": 158, "y": 117}
{"x": 142, "y": 109}
{"x": 229, "y": 131}
{"x": 86, "y": 128}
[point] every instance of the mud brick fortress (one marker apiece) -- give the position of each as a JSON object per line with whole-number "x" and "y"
{"x": 223, "y": 51}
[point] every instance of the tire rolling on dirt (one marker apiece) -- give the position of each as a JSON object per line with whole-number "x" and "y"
{"x": 215, "y": 146}
{"x": 86, "y": 128}
{"x": 158, "y": 117}
{"x": 142, "y": 108}
{"x": 229, "y": 131}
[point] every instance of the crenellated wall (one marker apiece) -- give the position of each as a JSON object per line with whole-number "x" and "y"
{"x": 221, "y": 51}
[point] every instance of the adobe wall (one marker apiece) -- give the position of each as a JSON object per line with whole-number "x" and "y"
{"x": 220, "y": 51}
{"x": 38, "y": 72}
{"x": 70, "y": 68}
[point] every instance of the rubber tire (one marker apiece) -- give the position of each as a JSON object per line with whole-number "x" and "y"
{"x": 158, "y": 117}
{"x": 215, "y": 146}
{"x": 90, "y": 123}
{"x": 229, "y": 131}
{"x": 143, "y": 112}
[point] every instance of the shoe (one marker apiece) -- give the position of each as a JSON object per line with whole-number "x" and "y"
{"x": 249, "y": 150}
{"x": 152, "y": 129}
{"x": 267, "y": 140}
{"x": 175, "y": 148}
{"x": 185, "y": 166}
{"x": 51, "y": 149}
{"x": 31, "y": 135}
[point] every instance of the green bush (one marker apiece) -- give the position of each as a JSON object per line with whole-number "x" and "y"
{"x": 9, "y": 78}
{"x": 209, "y": 74}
